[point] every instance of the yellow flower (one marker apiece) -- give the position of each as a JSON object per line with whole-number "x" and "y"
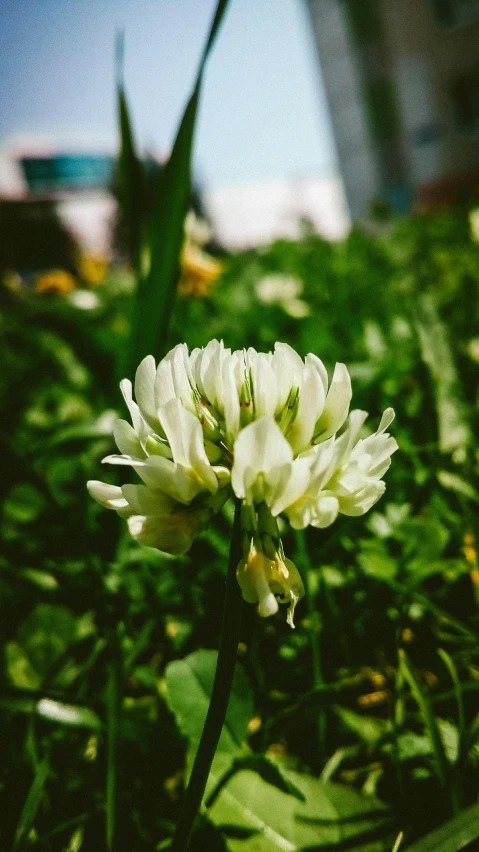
{"x": 92, "y": 270}
{"x": 56, "y": 281}
{"x": 198, "y": 271}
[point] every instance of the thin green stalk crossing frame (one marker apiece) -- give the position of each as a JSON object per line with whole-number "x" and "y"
{"x": 220, "y": 694}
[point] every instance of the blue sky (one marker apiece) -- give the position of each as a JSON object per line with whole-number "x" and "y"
{"x": 263, "y": 113}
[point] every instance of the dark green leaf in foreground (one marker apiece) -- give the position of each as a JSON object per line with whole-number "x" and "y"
{"x": 460, "y": 832}
{"x": 129, "y": 168}
{"x": 265, "y": 768}
{"x": 331, "y": 815}
{"x": 189, "y": 683}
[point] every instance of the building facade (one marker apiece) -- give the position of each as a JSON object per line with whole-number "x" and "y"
{"x": 402, "y": 81}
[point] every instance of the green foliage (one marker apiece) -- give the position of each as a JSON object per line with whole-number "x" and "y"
{"x": 108, "y": 648}
{"x": 156, "y": 244}
{"x": 189, "y": 683}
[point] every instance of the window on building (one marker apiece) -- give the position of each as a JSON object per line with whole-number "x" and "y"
{"x": 465, "y": 99}
{"x": 456, "y": 13}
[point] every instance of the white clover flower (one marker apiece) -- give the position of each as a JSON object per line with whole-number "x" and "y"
{"x": 267, "y": 428}
{"x": 283, "y": 290}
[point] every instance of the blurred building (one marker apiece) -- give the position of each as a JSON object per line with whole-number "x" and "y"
{"x": 249, "y": 215}
{"x": 402, "y": 81}
{"x": 54, "y": 205}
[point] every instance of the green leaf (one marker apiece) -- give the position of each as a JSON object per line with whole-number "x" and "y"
{"x": 189, "y": 683}
{"x": 424, "y": 539}
{"x": 428, "y": 717}
{"x": 268, "y": 771}
{"x": 331, "y": 814}
{"x": 456, "y": 483}
{"x": 158, "y": 282}
{"x": 454, "y": 432}
{"x": 32, "y": 803}
{"x": 41, "y": 579}
{"x": 45, "y": 636}
{"x": 457, "y": 833}
{"x": 375, "y": 561}
{"x": 130, "y": 173}
{"x": 368, "y": 728}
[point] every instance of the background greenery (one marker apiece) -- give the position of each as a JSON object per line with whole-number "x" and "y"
{"x": 358, "y": 725}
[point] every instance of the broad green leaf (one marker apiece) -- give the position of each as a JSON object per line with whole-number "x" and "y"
{"x": 189, "y": 683}
{"x": 265, "y": 768}
{"x": 375, "y": 561}
{"x": 45, "y": 636}
{"x": 460, "y": 832}
{"x": 424, "y": 538}
{"x": 19, "y": 668}
{"x": 158, "y": 282}
{"x": 331, "y": 814}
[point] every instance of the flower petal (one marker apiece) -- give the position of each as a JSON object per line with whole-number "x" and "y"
{"x": 145, "y": 390}
{"x": 173, "y": 533}
{"x": 259, "y": 449}
{"x": 127, "y": 439}
{"x": 147, "y": 501}
{"x": 109, "y": 496}
{"x": 310, "y": 406}
{"x": 173, "y": 479}
{"x": 185, "y": 436}
{"x": 337, "y": 404}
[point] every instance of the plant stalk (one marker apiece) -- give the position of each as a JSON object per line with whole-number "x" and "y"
{"x": 220, "y": 694}
{"x": 317, "y": 668}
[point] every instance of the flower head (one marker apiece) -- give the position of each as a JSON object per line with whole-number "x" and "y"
{"x": 268, "y": 428}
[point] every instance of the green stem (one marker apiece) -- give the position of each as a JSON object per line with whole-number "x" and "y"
{"x": 219, "y": 696}
{"x": 113, "y": 709}
{"x": 318, "y": 679}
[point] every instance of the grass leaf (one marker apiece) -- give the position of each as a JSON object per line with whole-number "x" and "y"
{"x": 158, "y": 281}
{"x": 32, "y": 803}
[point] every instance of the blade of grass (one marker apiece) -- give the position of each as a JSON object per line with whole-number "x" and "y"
{"x": 130, "y": 175}
{"x": 462, "y": 748}
{"x": 32, "y": 803}
{"x": 304, "y": 563}
{"x": 429, "y": 606}
{"x": 113, "y": 704}
{"x": 438, "y": 357}
{"x": 425, "y": 708}
{"x": 457, "y": 833}
{"x": 158, "y": 282}
{"x": 449, "y": 663}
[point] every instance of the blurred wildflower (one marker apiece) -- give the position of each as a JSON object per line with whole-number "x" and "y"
{"x": 198, "y": 269}
{"x": 283, "y": 290}
{"x": 474, "y": 223}
{"x": 263, "y": 427}
{"x": 11, "y": 280}
{"x": 92, "y": 270}
{"x": 58, "y": 282}
{"x": 85, "y": 300}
